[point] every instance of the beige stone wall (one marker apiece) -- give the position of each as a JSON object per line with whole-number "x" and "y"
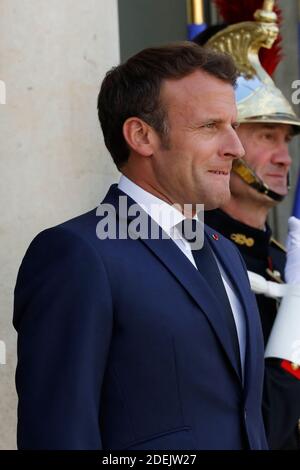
{"x": 53, "y": 163}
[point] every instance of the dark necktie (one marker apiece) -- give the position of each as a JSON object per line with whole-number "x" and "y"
{"x": 208, "y": 267}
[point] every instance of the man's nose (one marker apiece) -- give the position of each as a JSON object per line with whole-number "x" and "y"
{"x": 232, "y": 145}
{"x": 281, "y": 155}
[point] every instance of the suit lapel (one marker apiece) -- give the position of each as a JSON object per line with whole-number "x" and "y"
{"x": 195, "y": 284}
{"x": 241, "y": 285}
{"x": 226, "y": 258}
{"x": 189, "y": 277}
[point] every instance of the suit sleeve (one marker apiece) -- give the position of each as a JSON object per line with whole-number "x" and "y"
{"x": 63, "y": 316}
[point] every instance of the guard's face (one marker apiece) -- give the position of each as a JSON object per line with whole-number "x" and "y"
{"x": 195, "y": 167}
{"x": 266, "y": 147}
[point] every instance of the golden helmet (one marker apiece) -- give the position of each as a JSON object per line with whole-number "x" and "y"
{"x": 258, "y": 99}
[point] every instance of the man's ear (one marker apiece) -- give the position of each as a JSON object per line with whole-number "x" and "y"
{"x": 139, "y": 136}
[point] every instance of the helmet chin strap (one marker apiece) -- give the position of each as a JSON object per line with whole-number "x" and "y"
{"x": 241, "y": 168}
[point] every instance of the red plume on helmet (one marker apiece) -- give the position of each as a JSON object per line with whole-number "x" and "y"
{"x": 236, "y": 11}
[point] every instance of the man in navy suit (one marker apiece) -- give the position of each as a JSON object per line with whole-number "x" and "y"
{"x": 140, "y": 342}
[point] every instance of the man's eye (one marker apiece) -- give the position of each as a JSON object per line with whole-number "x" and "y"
{"x": 288, "y": 138}
{"x": 235, "y": 125}
{"x": 210, "y": 125}
{"x": 268, "y": 136}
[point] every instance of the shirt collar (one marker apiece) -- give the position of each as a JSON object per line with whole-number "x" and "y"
{"x": 165, "y": 215}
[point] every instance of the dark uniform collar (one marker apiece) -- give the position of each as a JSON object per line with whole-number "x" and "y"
{"x": 249, "y": 240}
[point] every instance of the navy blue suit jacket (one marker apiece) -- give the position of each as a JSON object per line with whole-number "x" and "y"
{"x": 122, "y": 345}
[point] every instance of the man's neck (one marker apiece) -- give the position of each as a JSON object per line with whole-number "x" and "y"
{"x": 189, "y": 210}
{"x": 254, "y": 215}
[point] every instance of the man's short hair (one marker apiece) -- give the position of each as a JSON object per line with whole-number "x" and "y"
{"x": 133, "y": 89}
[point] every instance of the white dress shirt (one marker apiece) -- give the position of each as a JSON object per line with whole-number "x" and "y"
{"x": 168, "y": 217}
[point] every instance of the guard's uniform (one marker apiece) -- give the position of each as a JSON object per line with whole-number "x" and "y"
{"x": 264, "y": 256}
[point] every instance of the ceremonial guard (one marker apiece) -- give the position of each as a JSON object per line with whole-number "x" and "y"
{"x": 258, "y": 183}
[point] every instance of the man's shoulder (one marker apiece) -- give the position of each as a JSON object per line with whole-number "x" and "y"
{"x": 81, "y": 226}
{"x": 59, "y": 240}
{"x": 93, "y": 231}
{"x": 84, "y": 225}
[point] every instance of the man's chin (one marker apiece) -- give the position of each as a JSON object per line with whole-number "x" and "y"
{"x": 279, "y": 188}
{"x": 217, "y": 201}
{"x": 283, "y": 192}
{"x": 270, "y": 202}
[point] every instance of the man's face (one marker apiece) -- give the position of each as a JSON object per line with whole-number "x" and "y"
{"x": 202, "y": 141}
{"x": 266, "y": 147}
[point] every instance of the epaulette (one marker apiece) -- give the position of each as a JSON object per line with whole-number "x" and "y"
{"x": 279, "y": 245}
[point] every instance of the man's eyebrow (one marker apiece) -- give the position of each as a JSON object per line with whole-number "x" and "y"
{"x": 213, "y": 119}
{"x": 269, "y": 126}
{"x": 272, "y": 126}
{"x": 216, "y": 120}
